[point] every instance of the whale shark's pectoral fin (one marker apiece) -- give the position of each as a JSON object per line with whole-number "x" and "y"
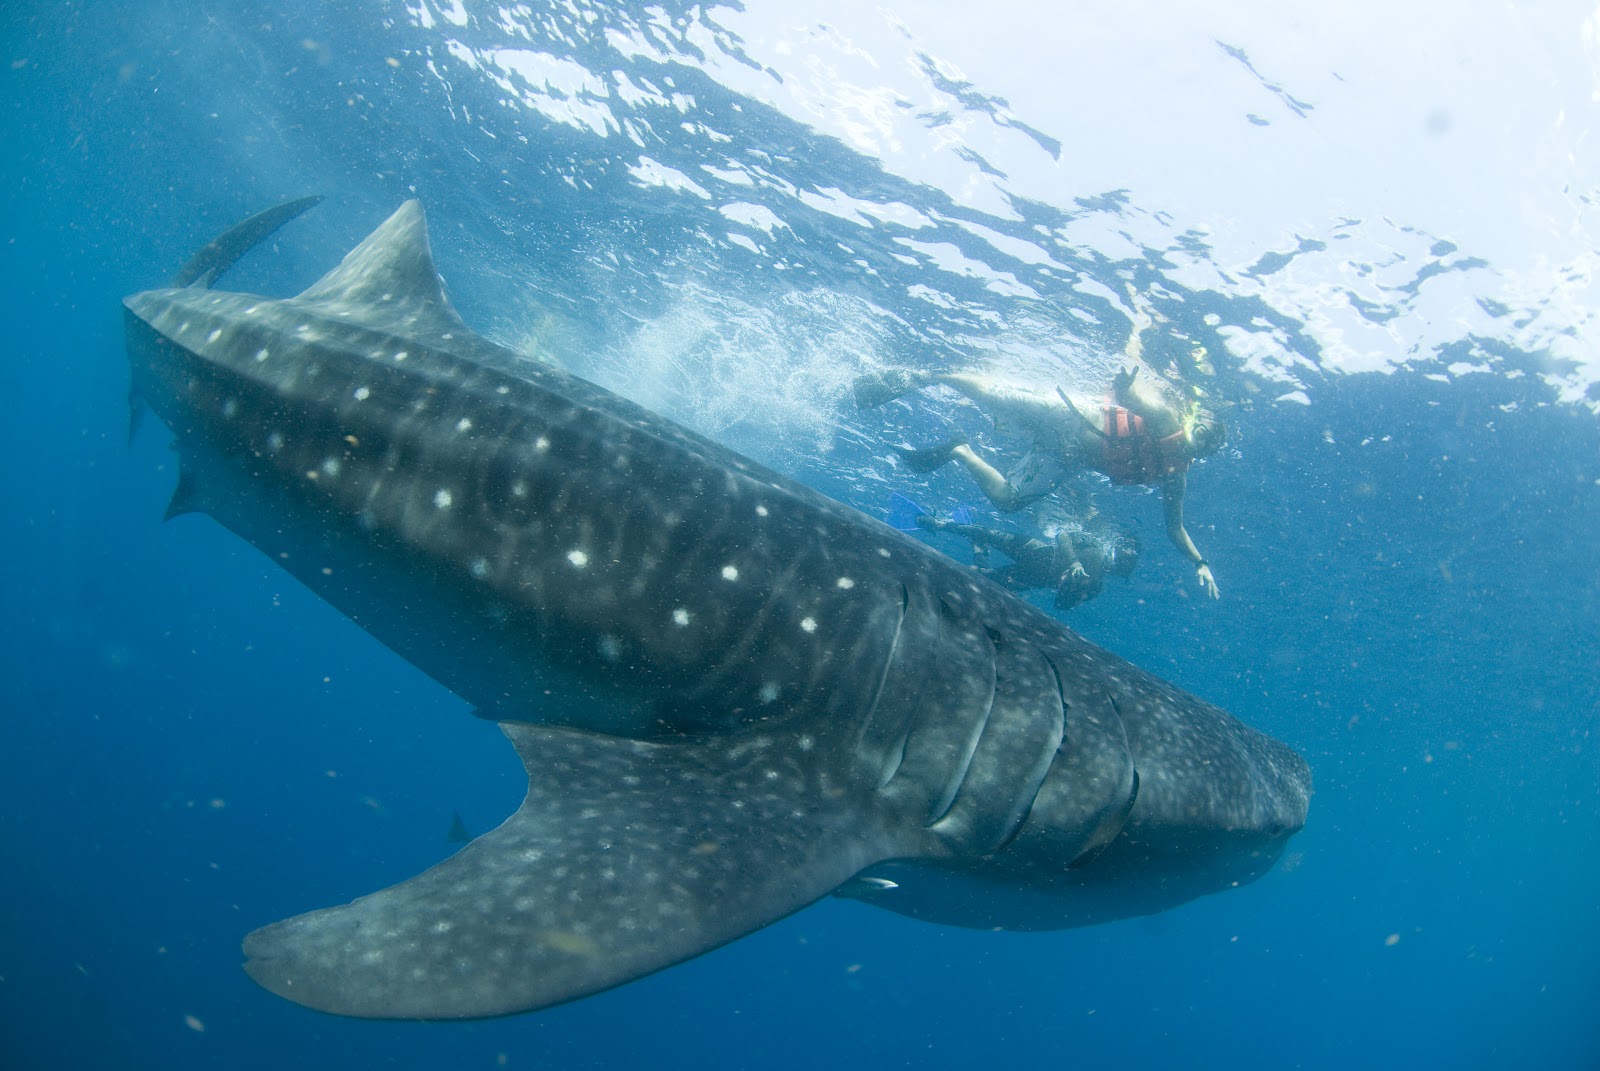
{"x": 626, "y": 856}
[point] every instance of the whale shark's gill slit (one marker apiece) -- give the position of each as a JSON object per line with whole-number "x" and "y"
{"x": 893, "y": 761}
{"x": 1110, "y": 830}
{"x": 1061, "y": 693}
{"x": 883, "y": 676}
{"x": 1061, "y": 705}
{"x": 966, "y": 749}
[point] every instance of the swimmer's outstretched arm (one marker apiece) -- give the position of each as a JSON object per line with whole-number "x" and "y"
{"x": 1172, "y": 493}
{"x": 1142, "y": 397}
{"x": 1068, "y": 554}
{"x": 1142, "y": 322}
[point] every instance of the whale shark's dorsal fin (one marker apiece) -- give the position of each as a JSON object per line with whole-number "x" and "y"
{"x": 389, "y": 281}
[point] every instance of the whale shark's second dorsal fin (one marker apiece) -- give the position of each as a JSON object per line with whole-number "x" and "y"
{"x": 389, "y": 281}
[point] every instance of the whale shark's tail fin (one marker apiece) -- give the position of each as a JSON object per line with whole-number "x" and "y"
{"x": 224, "y": 251}
{"x": 626, "y": 856}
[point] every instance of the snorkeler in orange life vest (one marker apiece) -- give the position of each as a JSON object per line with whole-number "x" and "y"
{"x": 1141, "y": 433}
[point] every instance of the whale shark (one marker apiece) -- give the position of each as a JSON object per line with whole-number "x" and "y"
{"x": 733, "y": 696}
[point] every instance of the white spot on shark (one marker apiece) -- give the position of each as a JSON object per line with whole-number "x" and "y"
{"x": 730, "y": 572}
{"x": 230, "y": 408}
{"x": 845, "y": 583}
{"x": 578, "y": 558}
{"x": 519, "y": 490}
{"x": 401, "y": 355}
{"x": 680, "y": 617}
{"x": 480, "y": 567}
{"x": 330, "y": 466}
{"x": 215, "y": 334}
{"x": 464, "y": 424}
{"x": 262, "y": 354}
{"x": 610, "y": 648}
{"x": 275, "y": 441}
{"x": 769, "y": 692}
{"x": 442, "y": 499}
{"x": 541, "y": 444}
{"x": 809, "y": 624}
{"x": 761, "y": 511}
{"x": 363, "y": 393}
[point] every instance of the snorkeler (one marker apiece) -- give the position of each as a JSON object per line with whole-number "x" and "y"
{"x": 1142, "y": 432}
{"x": 1074, "y": 561}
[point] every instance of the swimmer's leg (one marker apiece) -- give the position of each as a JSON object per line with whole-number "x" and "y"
{"x": 990, "y": 480}
{"x": 1012, "y": 544}
{"x": 1012, "y": 408}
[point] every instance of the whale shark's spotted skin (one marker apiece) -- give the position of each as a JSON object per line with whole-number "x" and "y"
{"x": 732, "y": 695}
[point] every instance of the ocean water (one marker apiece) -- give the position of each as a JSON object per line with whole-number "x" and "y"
{"x": 1380, "y": 225}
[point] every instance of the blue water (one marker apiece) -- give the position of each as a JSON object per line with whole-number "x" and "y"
{"x": 194, "y": 746}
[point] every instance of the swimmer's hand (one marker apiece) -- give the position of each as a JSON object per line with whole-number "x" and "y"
{"x": 1124, "y": 380}
{"x": 1076, "y": 570}
{"x": 1207, "y": 581}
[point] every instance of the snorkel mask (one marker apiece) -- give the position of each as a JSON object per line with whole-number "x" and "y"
{"x": 1206, "y": 432}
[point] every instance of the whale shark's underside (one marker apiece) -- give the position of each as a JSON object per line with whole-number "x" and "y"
{"x": 732, "y": 695}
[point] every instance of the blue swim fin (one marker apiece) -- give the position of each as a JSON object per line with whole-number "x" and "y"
{"x": 903, "y": 512}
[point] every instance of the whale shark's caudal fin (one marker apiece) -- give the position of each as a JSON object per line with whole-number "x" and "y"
{"x": 207, "y": 266}
{"x": 625, "y": 857}
{"x": 220, "y": 254}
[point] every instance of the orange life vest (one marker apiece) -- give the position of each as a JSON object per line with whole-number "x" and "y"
{"x": 1129, "y": 454}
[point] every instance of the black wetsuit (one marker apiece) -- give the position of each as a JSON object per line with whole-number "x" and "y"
{"x": 1040, "y": 562}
